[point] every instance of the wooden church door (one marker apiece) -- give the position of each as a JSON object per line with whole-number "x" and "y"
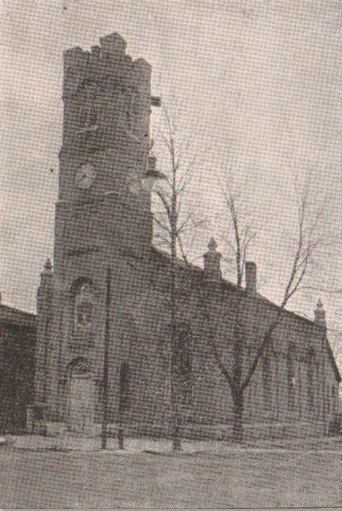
{"x": 81, "y": 399}
{"x": 81, "y": 410}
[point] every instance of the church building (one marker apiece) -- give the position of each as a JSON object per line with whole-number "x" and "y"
{"x": 102, "y": 225}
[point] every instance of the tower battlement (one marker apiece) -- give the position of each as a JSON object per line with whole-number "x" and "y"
{"x": 108, "y": 59}
{"x": 107, "y": 98}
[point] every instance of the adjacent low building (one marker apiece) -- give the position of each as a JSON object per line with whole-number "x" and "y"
{"x": 17, "y": 358}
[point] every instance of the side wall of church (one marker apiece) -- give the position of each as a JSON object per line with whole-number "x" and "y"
{"x": 293, "y": 392}
{"x": 139, "y": 336}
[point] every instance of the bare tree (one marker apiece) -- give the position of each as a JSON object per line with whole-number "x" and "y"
{"x": 309, "y": 239}
{"x": 175, "y": 230}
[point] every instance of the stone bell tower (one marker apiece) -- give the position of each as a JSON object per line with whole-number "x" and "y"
{"x": 99, "y": 214}
{"x": 106, "y": 140}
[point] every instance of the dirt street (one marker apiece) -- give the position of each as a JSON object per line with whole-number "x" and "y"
{"x": 50, "y": 479}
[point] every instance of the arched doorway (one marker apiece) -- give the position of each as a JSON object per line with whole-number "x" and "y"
{"x": 81, "y": 396}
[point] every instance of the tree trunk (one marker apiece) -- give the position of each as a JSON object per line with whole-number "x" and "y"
{"x": 238, "y": 416}
{"x": 176, "y": 440}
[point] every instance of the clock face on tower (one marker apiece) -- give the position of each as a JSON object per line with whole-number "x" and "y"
{"x": 85, "y": 176}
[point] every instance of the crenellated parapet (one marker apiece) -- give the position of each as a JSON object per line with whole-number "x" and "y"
{"x": 105, "y": 90}
{"x": 80, "y": 65}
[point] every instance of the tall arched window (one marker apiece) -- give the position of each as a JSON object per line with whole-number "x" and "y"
{"x": 182, "y": 363}
{"x": 310, "y": 378}
{"x": 87, "y": 112}
{"x": 267, "y": 377}
{"x": 124, "y": 387}
{"x": 83, "y": 308}
{"x": 131, "y": 100}
{"x": 291, "y": 376}
{"x": 333, "y": 399}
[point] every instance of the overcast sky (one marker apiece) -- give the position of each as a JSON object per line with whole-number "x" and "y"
{"x": 258, "y": 83}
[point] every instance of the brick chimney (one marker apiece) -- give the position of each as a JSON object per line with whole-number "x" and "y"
{"x": 212, "y": 266}
{"x": 320, "y": 314}
{"x": 251, "y": 277}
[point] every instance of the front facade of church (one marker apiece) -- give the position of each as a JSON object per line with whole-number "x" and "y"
{"x": 103, "y": 221}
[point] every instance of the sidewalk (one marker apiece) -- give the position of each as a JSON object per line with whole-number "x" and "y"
{"x": 69, "y": 442}
{"x": 79, "y": 443}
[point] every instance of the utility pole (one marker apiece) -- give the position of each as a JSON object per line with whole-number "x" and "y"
{"x": 105, "y": 363}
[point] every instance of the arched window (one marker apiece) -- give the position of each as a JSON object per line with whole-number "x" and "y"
{"x": 291, "y": 376}
{"x": 87, "y": 112}
{"x": 267, "y": 377}
{"x": 124, "y": 387}
{"x": 310, "y": 378}
{"x": 83, "y": 308}
{"x": 182, "y": 363}
{"x": 131, "y": 100}
{"x": 333, "y": 399}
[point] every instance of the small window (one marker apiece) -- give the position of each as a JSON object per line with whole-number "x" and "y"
{"x": 83, "y": 308}
{"x": 88, "y": 117}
